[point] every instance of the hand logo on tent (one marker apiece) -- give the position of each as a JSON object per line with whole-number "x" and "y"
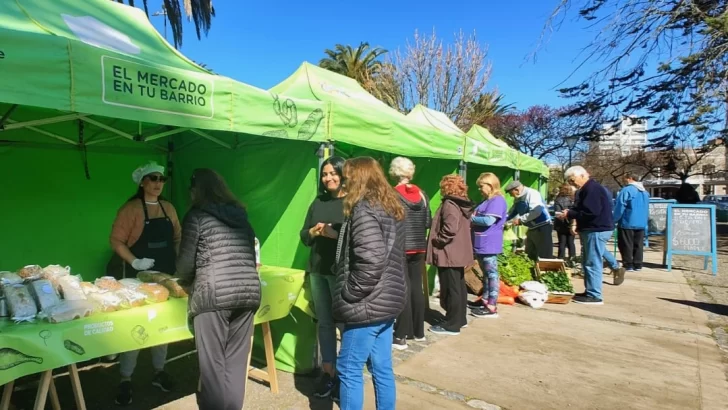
{"x": 98, "y": 34}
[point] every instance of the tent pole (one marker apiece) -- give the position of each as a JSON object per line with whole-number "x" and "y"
{"x": 7, "y": 115}
{"x": 463, "y": 170}
{"x": 46, "y": 133}
{"x": 108, "y": 128}
{"x": 170, "y": 165}
{"x": 211, "y": 138}
{"x": 163, "y": 134}
{"x": 82, "y": 147}
{"x": 44, "y": 121}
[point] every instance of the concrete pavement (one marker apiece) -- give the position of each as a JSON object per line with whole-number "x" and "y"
{"x": 648, "y": 347}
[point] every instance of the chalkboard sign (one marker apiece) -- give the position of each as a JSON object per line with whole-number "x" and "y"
{"x": 691, "y": 231}
{"x": 657, "y": 220}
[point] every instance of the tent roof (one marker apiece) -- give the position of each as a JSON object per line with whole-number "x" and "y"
{"x": 99, "y": 60}
{"x": 483, "y": 147}
{"x": 360, "y": 119}
{"x": 436, "y": 119}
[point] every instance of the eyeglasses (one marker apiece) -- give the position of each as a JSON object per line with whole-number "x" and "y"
{"x": 155, "y": 178}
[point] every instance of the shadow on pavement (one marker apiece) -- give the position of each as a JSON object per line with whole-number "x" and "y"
{"x": 716, "y": 308}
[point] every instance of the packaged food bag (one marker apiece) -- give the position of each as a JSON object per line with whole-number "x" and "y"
{"x": 67, "y": 310}
{"x": 155, "y": 293}
{"x": 130, "y": 298}
{"x": 70, "y": 288}
{"x": 108, "y": 283}
{"x": 30, "y": 272}
{"x": 10, "y": 278}
{"x": 54, "y": 272}
{"x": 88, "y": 288}
{"x": 105, "y": 301}
{"x": 130, "y": 283}
{"x": 44, "y": 293}
{"x": 533, "y": 299}
{"x": 21, "y": 306}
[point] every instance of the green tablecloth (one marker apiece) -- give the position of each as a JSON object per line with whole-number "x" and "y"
{"x": 30, "y": 348}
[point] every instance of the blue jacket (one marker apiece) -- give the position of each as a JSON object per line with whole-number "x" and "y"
{"x": 632, "y": 208}
{"x": 592, "y": 208}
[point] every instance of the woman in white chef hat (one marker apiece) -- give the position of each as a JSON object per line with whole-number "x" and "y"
{"x": 145, "y": 236}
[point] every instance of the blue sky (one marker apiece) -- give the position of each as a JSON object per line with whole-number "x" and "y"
{"x": 262, "y": 43}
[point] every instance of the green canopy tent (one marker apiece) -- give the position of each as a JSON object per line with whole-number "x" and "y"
{"x": 363, "y": 125}
{"x": 90, "y": 91}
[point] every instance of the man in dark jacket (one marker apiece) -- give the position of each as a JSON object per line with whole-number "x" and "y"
{"x": 593, "y": 214}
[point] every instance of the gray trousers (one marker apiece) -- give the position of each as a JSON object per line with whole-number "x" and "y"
{"x": 539, "y": 243}
{"x": 128, "y": 361}
{"x": 224, "y": 343}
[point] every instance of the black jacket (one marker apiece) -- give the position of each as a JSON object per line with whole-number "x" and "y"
{"x": 327, "y": 210}
{"x": 562, "y": 203}
{"x": 418, "y": 219}
{"x": 592, "y": 208}
{"x": 370, "y": 286}
{"x": 217, "y": 260}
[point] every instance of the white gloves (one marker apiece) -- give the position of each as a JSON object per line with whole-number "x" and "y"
{"x": 142, "y": 264}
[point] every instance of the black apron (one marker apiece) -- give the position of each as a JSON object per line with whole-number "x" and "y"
{"x": 156, "y": 242}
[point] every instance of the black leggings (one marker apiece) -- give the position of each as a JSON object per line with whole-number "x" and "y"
{"x": 564, "y": 241}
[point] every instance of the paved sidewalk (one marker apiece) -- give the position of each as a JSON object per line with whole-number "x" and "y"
{"x": 648, "y": 347}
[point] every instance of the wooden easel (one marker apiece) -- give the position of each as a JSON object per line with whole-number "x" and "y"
{"x": 47, "y": 385}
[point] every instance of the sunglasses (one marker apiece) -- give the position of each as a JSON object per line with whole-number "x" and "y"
{"x": 155, "y": 178}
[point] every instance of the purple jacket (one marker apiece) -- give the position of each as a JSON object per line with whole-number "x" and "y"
{"x": 488, "y": 240}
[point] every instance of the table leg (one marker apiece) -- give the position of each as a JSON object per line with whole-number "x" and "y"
{"x": 270, "y": 357}
{"x": 76, "y": 386}
{"x": 55, "y": 403}
{"x": 43, "y": 386}
{"x": 7, "y": 392}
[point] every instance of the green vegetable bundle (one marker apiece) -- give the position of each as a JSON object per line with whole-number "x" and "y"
{"x": 515, "y": 268}
{"x": 557, "y": 281}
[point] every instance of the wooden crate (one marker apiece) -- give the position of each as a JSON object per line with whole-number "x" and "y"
{"x": 558, "y": 265}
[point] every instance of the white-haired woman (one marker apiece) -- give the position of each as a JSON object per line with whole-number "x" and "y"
{"x": 411, "y": 322}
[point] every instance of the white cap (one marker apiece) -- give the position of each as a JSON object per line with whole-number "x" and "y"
{"x": 145, "y": 170}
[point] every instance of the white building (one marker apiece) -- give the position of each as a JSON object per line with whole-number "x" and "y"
{"x": 625, "y": 136}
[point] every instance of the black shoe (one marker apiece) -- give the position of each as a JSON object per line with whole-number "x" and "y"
{"x": 582, "y": 294}
{"x": 326, "y": 386}
{"x": 477, "y": 303}
{"x": 399, "y": 344}
{"x": 442, "y": 331}
{"x": 163, "y": 382}
{"x": 485, "y": 313}
{"x": 619, "y": 275}
{"x": 587, "y": 300}
{"x": 638, "y": 268}
{"x": 124, "y": 396}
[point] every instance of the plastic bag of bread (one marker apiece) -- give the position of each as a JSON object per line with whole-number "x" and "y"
{"x": 21, "y": 306}
{"x": 108, "y": 283}
{"x": 10, "y": 278}
{"x": 168, "y": 281}
{"x": 130, "y": 283}
{"x": 44, "y": 293}
{"x": 154, "y": 292}
{"x": 105, "y": 301}
{"x": 152, "y": 276}
{"x": 30, "y": 272}
{"x": 88, "y": 288}
{"x": 70, "y": 288}
{"x": 67, "y": 310}
{"x": 130, "y": 298}
{"x": 54, "y": 272}
{"x": 174, "y": 288}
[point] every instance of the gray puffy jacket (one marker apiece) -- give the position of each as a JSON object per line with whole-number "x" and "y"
{"x": 370, "y": 284}
{"x": 216, "y": 262}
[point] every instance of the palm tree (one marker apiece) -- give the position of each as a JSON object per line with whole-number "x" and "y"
{"x": 200, "y": 11}
{"x": 361, "y": 63}
{"x": 489, "y": 109}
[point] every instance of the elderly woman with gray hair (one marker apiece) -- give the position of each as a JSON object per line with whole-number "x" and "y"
{"x": 411, "y": 322}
